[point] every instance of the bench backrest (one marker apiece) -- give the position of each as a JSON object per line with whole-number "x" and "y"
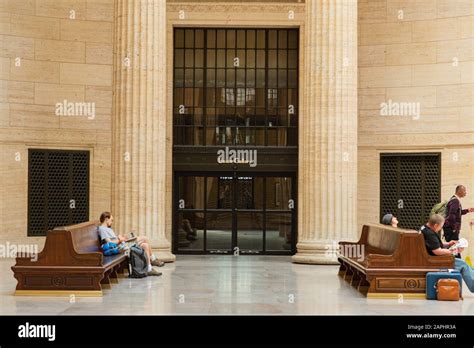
{"x": 85, "y": 236}
{"x": 388, "y": 247}
{"x": 381, "y": 239}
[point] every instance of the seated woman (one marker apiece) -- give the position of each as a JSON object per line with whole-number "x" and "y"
{"x": 108, "y": 235}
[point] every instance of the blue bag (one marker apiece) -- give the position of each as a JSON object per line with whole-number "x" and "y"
{"x": 110, "y": 249}
{"x": 433, "y": 277}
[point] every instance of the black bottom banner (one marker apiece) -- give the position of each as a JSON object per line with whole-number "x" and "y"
{"x": 292, "y": 331}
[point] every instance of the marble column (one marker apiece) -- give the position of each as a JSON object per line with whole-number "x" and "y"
{"x": 139, "y": 122}
{"x": 328, "y": 131}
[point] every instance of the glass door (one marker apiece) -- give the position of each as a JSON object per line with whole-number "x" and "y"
{"x": 219, "y": 214}
{"x": 249, "y": 214}
{"x": 234, "y": 213}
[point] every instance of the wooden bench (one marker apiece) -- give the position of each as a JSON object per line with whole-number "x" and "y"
{"x": 70, "y": 263}
{"x": 389, "y": 262}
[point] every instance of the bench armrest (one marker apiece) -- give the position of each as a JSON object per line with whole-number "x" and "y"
{"x": 378, "y": 260}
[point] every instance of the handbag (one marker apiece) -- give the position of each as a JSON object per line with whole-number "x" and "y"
{"x": 448, "y": 290}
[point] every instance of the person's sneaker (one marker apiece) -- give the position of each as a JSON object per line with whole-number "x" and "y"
{"x": 154, "y": 272}
{"x": 157, "y": 263}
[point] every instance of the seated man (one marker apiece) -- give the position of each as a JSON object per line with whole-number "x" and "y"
{"x": 108, "y": 235}
{"x": 436, "y": 247}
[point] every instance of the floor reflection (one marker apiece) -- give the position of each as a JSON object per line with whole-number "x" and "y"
{"x": 216, "y": 284}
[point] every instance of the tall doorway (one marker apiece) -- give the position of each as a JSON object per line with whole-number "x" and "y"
{"x": 235, "y": 89}
{"x": 229, "y": 213}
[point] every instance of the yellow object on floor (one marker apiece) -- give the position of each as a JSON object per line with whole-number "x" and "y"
{"x": 468, "y": 261}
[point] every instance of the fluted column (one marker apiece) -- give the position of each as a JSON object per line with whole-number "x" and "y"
{"x": 139, "y": 122}
{"x": 328, "y": 131}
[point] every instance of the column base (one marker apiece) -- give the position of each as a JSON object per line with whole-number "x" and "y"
{"x": 319, "y": 253}
{"x": 164, "y": 255}
{"x": 162, "y": 249}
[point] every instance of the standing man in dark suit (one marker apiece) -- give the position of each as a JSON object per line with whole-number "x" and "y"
{"x": 454, "y": 212}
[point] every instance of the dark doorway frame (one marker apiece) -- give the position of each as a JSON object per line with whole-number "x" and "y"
{"x": 234, "y": 210}
{"x": 200, "y": 78}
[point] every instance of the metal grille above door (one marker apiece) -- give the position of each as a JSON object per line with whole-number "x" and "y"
{"x": 409, "y": 187}
{"x": 235, "y": 86}
{"x": 58, "y": 189}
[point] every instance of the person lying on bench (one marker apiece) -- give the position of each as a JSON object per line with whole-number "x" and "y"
{"x": 435, "y": 247}
{"x": 108, "y": 235}
{"x": 390, "y": 220}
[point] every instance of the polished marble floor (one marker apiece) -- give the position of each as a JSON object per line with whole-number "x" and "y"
{"x": 228, "y": 285}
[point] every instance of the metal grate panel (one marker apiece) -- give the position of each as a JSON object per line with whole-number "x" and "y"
{"x": 409, "y": 187}
{"x": 58, "y": 189}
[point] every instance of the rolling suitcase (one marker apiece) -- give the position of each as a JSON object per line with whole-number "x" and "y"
{"x": 433, "y": 277}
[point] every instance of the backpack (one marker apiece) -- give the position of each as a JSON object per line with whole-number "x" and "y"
{"x": 441, "y": 208}
{"x": 137, "y": 262}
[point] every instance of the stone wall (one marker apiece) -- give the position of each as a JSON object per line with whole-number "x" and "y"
{"x": 409, "y": 51}
{"x": 53, "y": 51}
{"x": 416, "y": 51}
